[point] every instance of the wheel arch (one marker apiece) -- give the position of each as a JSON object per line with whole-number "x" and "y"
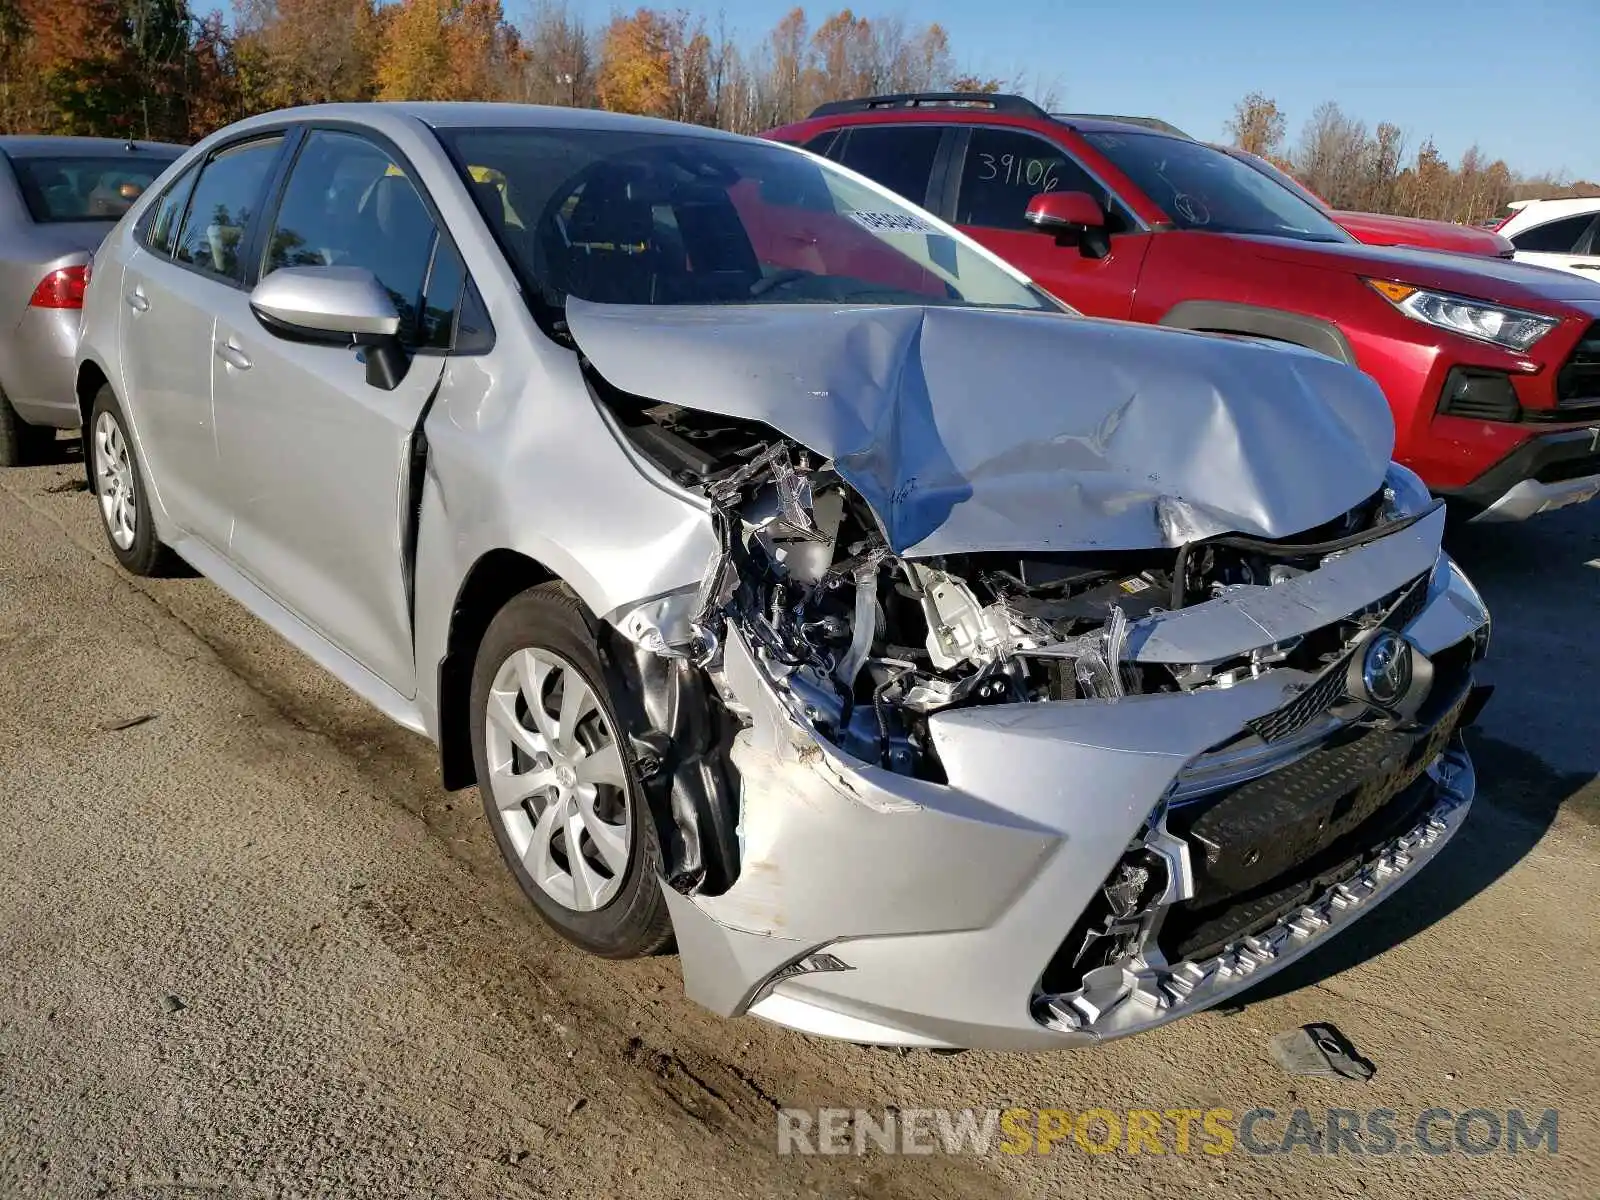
{"x": 89, "y": 378}
{"x": 86, "y": 385}
{"x": 1219, "y": 316}
{"x": 492, "y": 580}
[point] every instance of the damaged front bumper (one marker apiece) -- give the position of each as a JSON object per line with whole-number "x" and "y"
{"x": 880, "y": 908}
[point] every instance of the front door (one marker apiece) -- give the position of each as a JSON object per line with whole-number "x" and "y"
{"x": 1002, "y": 170}
{"x": 316, "y": 458}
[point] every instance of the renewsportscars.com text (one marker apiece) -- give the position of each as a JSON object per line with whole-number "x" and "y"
{"x": 1213, "y": 1131}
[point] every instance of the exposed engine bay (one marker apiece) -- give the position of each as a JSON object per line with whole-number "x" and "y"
{"x": 865, "y": 644}
{"x": 1152, "y": 669}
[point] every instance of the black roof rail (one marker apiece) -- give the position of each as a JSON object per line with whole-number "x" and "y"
{"x": 992, "y": 101}
{"x": 1155, "y": 123}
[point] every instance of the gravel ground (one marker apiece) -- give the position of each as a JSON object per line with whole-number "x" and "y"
{"x": 248, "y": 947}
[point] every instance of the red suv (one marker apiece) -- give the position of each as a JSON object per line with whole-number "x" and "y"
{"x": 1492, "y": 367}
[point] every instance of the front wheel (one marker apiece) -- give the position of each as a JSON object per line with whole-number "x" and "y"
{"x": 560, "y": 788}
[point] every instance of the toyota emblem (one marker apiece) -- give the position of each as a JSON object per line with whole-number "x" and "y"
{"x": 1386, "y": 669}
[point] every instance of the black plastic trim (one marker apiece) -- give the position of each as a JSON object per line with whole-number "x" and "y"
{"x": 1217, "y": 316}
{"x": 989, "y": 101}
{"x": 1528, "y": 461}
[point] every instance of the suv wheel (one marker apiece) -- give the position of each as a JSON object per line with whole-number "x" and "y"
{"x": 21, "y": 444}
{"x": 559, "y": 785}
{"x": 119, "y": 491}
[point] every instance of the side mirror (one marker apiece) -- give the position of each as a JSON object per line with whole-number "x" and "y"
{"x": 1071, "y": 216}
{"x": 338, "y": 306}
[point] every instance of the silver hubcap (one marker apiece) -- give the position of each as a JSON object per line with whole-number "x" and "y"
{"x": 113, "y": 481}
{"x": 556, "y": 778}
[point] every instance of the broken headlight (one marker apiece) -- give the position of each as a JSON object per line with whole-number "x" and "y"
{"x": 1404, "y": 493}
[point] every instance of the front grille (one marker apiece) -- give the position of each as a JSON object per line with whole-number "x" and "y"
{"x": 1329, "y": 687}
{"x": 1409, "y": 605}
{"x": 1578, "y": 383}
{"x": 1257, "y": 848}
{"x": 1304, "y": 708}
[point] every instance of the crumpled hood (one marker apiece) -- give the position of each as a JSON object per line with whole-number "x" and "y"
{"x": 971, "y": 429}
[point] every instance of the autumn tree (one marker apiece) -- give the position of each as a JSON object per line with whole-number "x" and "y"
{"x": 558, "y": 61}
{"x": 306, "y": 51}
{"x": 24, "y": 107}
{"x": 976, "y": 83}
{"x": 1331, "y": 156}
{"x": 445, "y": 50}
{"x": 1257, "y": 125}
{"x": 636, "y": 64}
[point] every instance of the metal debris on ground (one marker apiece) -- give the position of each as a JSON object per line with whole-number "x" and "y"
{"x": 1322, "y": 1052}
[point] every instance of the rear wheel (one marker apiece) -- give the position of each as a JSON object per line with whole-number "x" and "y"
{"x": 119, "y": 491}
{"x": 560, "y": 788}
{"x": 21, "y": 444}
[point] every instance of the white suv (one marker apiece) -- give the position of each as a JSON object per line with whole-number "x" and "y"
{"x": 1564, "y": 234}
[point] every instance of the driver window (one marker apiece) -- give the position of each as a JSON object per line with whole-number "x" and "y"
{"x": 347, "y": 203}
{"x": 1006, "y": 168}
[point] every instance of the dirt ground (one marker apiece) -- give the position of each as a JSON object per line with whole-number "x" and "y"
{"x": 249, "y": 947}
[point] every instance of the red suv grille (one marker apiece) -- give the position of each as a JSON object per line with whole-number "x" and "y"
{"x": 1579, "y": 380}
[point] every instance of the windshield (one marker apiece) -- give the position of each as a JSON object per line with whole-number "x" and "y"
{"x": 625, "y": 217}
{"x": 1204, "y": 189}
{"x": 1281, "y": 177}
{"x": 86, "y": 188}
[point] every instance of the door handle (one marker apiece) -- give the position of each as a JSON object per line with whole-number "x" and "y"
{"x": 233, "y": 356}
{"x": 136, "y": 300}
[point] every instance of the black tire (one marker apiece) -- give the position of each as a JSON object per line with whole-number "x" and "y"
{"x": 636, "y": 920}
{"x": 146, "y": 555}
{"x": 21, "y": 444}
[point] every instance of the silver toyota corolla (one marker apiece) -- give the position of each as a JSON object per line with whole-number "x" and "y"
{"x": 58, "y": 197}
{"x": 795, "y": 580}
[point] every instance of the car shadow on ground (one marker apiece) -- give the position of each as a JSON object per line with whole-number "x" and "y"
{"x": 1536, "y": 747}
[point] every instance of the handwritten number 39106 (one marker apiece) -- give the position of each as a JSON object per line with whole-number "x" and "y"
{"x": 1041, "y": 174}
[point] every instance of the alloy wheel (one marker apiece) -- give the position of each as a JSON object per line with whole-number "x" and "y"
{"x": 114, "y": 481}
{"x": 557, "y": 779}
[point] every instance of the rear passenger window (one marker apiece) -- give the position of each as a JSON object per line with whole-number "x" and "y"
{"x": 160, "y": 227}
{"x": 823, "y": 143}
{"x": 226, "y": 197}
{"x": 1554, "y": 237}
{"x": 1006, "y": 168}
{"x": 349, "y": 204}
{"x": 898, "y": 156}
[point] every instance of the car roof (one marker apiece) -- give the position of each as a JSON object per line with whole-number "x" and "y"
{"x": 467, "y": 114}
{"x": 1545, "y": 210}
{"x": 23, "y": 146}
{"x": 1105, "y": 123}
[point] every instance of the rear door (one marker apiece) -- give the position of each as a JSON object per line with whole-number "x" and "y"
{"x": 900, "y": 157}
{"x": 188, "y": 266}
{"x": 995, "y": 171}
{"x": 1568, "y": 244}
{"x": 316, "y": 459}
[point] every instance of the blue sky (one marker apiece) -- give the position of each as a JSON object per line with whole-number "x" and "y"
{"x": 1521, "y": 79}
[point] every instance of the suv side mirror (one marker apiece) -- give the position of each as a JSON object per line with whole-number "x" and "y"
{"x": 1071, "y": 216}
{"x": 336, "y": 306}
